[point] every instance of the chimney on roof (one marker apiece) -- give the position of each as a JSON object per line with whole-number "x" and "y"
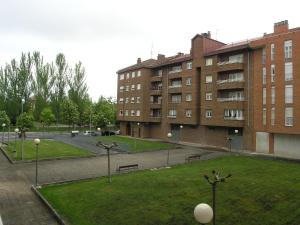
{"x": 138, "y": 61}
{"x": 180, "y": 54}
{"x": 207, "y": 35}
{"x": 160, "y": 57}
{"x": 281, "y": 27}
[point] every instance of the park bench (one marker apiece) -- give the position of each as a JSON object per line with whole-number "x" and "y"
{"x": 127, "y": 167}
{"x": 191, "y": 158}
{"x": 74, "y": 133}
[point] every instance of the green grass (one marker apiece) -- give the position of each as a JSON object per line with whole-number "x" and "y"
{"x": 47, "y": 149}
{"x": 260, "y": 192}
{"x": 128, "y": 144}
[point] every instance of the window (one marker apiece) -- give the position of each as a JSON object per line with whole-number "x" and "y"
{"x": 126, "y": 100}
{"x": 264, "y": 117}
{"x": 289, "y": 116}
{"x": 272, "y": 52}
{"x": 288, "y": 71}
{"x": 188, "y": 81}
{"x": 159, "y": 73}
{"x": 121, "y": 77}
{"x": 139, "y": 73}
{"x": 188, "y": 113}
{"x": 264, "y": 96}
{"x": 208, "y": 79}
{"x": 127, "y": 76}
{"x": 176, "y": 83}
{"x": 234, "y": 77}
{"x": 121, "y": 88}
{"x": 138, "y": 112}
{"x": 175, "y": 69}
{"x": 263, "y": 56}
{"x": 172, "y": 113}
{"x": 176, "y": 98}
{"x": 288, "y": 93}
{"x": 264, "y": 75}
{"x": 126, "y": 112}
{"x": 272, "y": 116}
{"x": 132, "y": 113}
{"x": 272, "y": 73}
{"x": 138, "y": 99}
{"x": 121, "y": 112}
{"x": 233, "y": 114}
{"x": 127, "y": 88}
{"x": 208, "y": 96}
{"x": 288, "y": 45}
{"x": 208, "y": 61}
{"x": 133, "y": 74}
{"x": 189, "y": 65}
{"x": 132, "y": 87}
{"x": 132, "y": 99}
{"x": 208, "y": 113}
{"x": 273, "y": 95}
{"x": 121, "y": 100}
{"x": 138, "y": 86}
{"x": 236, "y": 58}
{"x": 188, "y": 97}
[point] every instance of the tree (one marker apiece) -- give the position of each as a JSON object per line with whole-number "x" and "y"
{"x": 78, "y": 90}
{"x": 69, "y": 112}
{"x": 104, "y": 112}
{"x": 59, "y": 85}
{"x": 4, "y": 118}
{"x": 25, "y": 121}
{"x": 47, "y": 117}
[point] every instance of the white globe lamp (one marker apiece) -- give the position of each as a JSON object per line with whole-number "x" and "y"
{"x": 203, "y": 213}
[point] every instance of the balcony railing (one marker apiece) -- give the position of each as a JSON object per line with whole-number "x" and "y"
{"x": 155, "y": 102}
{"x": 155, "y": 116}
{"x": 156, "y": 88}
{"x": 172, "y": 116}
{"x": 175, "y": 71}
{"x": 175, "y": 86}
{"x": 230, "y": 62}
{"x": 231, "y": 99}
{"x": 233, "y": 118}
{"x": 230, "y": 81}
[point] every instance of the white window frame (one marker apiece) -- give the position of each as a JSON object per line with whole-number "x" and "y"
{"x": 288, "y": 49}
{"x": 127, "y": 75}
{"x": 189, "y": 65}
{"x": 188, "y": 113}
{"x": 138, "y": 86}
{"x": 120, "y": 112}
{"x": 273, "y": 95}
{"x": 288, "y": 71}
{"x": 188, "y": 81}
{"x": 172, "y": 113}
{"x": 126, "y": 100}
{"x": 121, "y": 76}
{"x": 132, "y": 113}
{"x": 273, "y": 73}
{"x": 127, "y": 88}
{"x": 138, "y": 112}
{"x": 208, "y": 96}
{"x": 139, "y": 73}
{"x": 264, "y": 96}
{"x": 264, "y": 75}
{"x": 289, "y": 94}
{"x": 126, "y": 112}
{"x": 121, "y": 88}
{"x": 273, "y": 116}
{"x": 208, "y": 79}
{"x": 138, "y": 99}
{"x": 208, "y": 61}
{"x": 208, "y": 113}
{"x": 264, "y": 116}
{"x": 121, "y": 100}
{"x": 132, "y": 100}
{"x": 263, "y": 56}
{"x": 133, "y": 74}
{"x": 188, "y": 97}
{"x": 289, "y": 116}
{"x": 272, "y": 52}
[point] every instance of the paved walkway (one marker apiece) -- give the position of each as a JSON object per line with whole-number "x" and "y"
{"x": 18, "y": 204}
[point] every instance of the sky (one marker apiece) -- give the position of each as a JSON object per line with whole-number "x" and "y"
{"x": 109, "y": 35}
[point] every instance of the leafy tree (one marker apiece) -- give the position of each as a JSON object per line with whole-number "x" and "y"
{"x": 4, "y": 118}
{"x": 47, "y": 117}
{"x": 69, "y": 112}
{"x": 104, "y": 112}
{"x": 25, "y": 121}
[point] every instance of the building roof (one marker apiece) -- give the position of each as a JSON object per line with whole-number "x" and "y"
{"x": 144, "y": 64}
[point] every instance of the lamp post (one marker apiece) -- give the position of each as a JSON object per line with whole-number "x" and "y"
{"x": 108, "y": 148}
{"x": 36, "y": 142}
{"x": 99, "y": 130}
{"x": 22, "y": 103}
{"x": 203, "y": 213}
{"x": 3, "y": 126}
{"x": 169, "y": 135}
{"x": 138, "y": 125}
{"x": 181, "y": 127}
{"x": 16, "y": 133}
{"x": 213, "y": 182}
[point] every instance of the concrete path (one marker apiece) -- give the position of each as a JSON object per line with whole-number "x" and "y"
{"x": 18, "y": 204}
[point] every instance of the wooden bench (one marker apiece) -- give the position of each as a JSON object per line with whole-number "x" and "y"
{"x": 127, "y": 167}
{"x": 191, "y": 158}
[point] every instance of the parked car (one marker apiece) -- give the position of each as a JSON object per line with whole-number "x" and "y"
{"x": 108, "y": 133}
{"x": 91, "y": 133}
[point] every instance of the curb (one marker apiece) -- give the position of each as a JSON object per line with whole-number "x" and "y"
{"x": 50, "y": 208}
{"x": 6, "y": 155}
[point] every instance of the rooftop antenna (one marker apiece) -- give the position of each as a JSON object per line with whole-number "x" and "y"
{"x": 152, "y": 50}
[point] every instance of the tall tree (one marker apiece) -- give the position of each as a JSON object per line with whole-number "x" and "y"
{"x": 104, "y": 112}
{"x": 59, "y": 85}
{"x": 78, "y": 90}
{"x": 69, "y": 113}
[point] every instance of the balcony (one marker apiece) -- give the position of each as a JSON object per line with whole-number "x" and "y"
{"x": 230, "y": 65}
{"x": 156, "y": 78}
{"x": 175, "y": 88}
{"x": 155, "y": 105}
{"x": 230, "y": 84}
{"x": 156, "y": 90}
{"x": 234, "y": 118}
{"x": 231, "y": 99}
{"x": 154, "y": 119}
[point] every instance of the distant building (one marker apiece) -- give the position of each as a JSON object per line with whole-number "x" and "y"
{"x": 243, "y": 95}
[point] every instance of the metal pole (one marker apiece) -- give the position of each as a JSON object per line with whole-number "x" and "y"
{"x": 36, "y": 164}
{"x": 15, "y": 145}
{"x": 168, "y": 157}
{"x": 90, "y": 123}
{"x": 22, "y": 144}
{"x": 2, "y": 134}
{"x": 108, "y": 164}
{"x": 8, "y": 132}
{"x": 214, "y": 202}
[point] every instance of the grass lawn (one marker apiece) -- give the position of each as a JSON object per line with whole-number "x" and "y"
{"x": 128, "y": 144}
{"x": 260, "y": 192}
{"x": 47, "y": 149}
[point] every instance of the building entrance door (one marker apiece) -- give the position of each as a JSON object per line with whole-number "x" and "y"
{"x": 175, "y": 130}
{"x": 236, "y": 138}
{"x": 128, "y": 129}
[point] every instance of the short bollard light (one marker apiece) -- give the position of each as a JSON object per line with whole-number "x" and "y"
{"x": 16, "y": 133}
{"x": 36, "y": 142}
{"x": 3, "y": 126}
{"x": 169, "y": 135}
{"x": 203, "y": 213}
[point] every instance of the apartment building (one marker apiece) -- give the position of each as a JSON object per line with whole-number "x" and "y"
{"x": 241, "y": 95}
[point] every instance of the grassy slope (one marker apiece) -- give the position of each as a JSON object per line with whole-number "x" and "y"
{"x": 47, "y": 149}
{"x": 260, "y": 192}
{"x": 128, "y": 144}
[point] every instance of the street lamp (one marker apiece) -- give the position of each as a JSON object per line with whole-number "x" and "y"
{"x": 213, "y": 182}
{"x": 99, "y": 130}
{"x": 23, "y": 101}
{"x": 36, "y": 142}
{"x": 16, "y": 131}
{"x": 169, "y": 135}
{"x": 138, "y": 124}
{"x": 3, "y": 126}
{"x": 236, "y": 131}
{"x": 181, "y": 127}
{"x": 203, "y": 213}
